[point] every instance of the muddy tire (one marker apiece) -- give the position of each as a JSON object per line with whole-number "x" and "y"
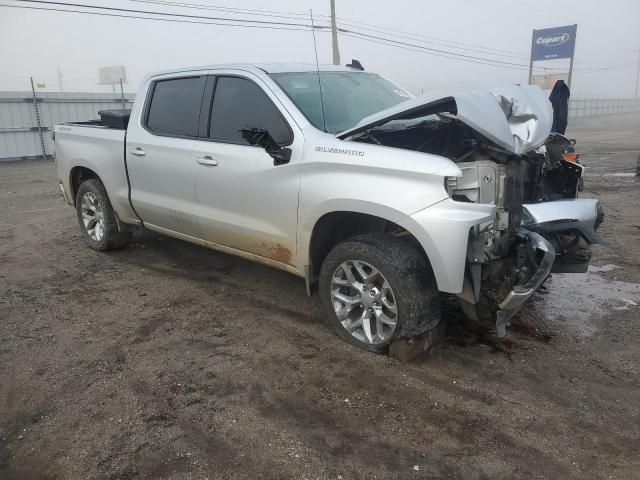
{"x": 376, "y": 289}
{"x": 97, "y": 219}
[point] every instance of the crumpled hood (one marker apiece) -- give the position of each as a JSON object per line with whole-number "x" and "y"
{"x": 517, "y": 118}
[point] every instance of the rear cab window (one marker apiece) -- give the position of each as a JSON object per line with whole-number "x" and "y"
{"x": 174, "y": 106}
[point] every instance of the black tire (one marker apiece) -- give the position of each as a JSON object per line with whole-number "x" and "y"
{"x": 112, "y": 238}
{"x": 407, "y": 271}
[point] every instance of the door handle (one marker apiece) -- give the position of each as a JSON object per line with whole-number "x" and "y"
{"x": 138, "y": 152}
{"x": 207, "y": 161}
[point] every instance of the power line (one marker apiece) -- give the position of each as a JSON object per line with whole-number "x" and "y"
{"x": 376, "y": 28}
{"x": 165, "y": 14}
{"x": 386, "y": 31}
{"x": 344, "y": 21}
{"x": 450, "y": 43}
{"x": 226, "y": 21}
{"x": 478, "y": 60}
{"x": 356, "y": 24}
{"x": 366, "y": 26}
{"x": 435, "y": 50}
{"x": 421, "y": 49}
{"x": 244, "y": 11}
{"x": 170, "y": 20}
{"x": 606, "y": 68}
{"x": 263, "y": 23}
{"x": 440, "y": 43}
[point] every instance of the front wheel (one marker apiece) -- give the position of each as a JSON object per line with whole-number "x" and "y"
{"x": 377, "y": 288}
{"x": 97, "y": 219}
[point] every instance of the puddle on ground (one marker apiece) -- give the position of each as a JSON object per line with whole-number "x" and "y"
{"x": 624, "y": 174}
{"x": 602, "y": 268}
{"x": 578, "y": 299}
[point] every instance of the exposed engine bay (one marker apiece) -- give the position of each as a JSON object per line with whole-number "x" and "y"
{"x": 510, "y": 257}
{"x": 544, "y": 177}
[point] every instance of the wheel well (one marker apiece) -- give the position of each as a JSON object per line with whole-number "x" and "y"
{"x": 77, "y": 176}
{"x": 332, "y": 228}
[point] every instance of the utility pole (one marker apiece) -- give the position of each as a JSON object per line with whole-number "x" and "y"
{"x": 638, "y": 73}
{"x": 334, "y": 34}
{"x": 59, "y": 79}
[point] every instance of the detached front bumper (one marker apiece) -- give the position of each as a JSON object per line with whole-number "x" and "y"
{"x": 544, "y": 253}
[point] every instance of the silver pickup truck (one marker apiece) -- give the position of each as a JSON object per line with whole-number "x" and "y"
{"x": 341, "y": 177}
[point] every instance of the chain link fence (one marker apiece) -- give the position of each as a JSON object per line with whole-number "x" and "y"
{"x": 590, "y": 107}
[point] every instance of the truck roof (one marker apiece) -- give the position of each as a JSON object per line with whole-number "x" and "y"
{"x": 264, "y": 67}
{"x": 302, "y": 67}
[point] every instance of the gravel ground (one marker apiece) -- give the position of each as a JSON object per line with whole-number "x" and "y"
{"x": 167, "y": 360}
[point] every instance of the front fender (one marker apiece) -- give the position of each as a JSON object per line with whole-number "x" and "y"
{"x": 388, "y": 183}
{"x": 311, "y": 218}
{"x": 443, "y": 231}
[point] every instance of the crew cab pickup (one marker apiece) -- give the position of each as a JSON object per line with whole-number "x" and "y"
{"x": 379, "y": 198}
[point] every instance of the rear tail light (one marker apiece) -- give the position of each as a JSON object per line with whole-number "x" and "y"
{"x": 571, "y": 156}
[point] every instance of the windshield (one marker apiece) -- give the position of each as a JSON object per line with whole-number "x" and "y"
{"x": 348, "y": 97}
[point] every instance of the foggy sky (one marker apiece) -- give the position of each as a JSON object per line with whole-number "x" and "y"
{"x": 34, "y": 43}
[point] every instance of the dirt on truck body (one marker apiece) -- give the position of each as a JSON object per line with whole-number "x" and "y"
{"x": 168, "y": 360}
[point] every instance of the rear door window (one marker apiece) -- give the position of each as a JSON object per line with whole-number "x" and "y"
{"x": 175, "y": 106}
{"x": 239, "y": 104}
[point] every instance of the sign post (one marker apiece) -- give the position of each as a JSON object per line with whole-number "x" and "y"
{"x": 552, "y": 44}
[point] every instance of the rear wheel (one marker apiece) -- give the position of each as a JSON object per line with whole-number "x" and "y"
{"x": 97, "y": 219}
{"x": 377, "y": 288}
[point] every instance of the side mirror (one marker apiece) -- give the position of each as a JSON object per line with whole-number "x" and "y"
{"x": 262, "y": 138}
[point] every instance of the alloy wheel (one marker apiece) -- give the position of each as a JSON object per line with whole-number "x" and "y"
{"x": 92, "y": 216}
{"x": 364, "y": 302}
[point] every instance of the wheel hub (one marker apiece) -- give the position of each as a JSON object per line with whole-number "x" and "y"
{"x": 92, "y": 216}
{"x": 364, "y": 302}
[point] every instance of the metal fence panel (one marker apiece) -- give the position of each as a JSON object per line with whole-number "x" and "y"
{"x": 19, "y": 135}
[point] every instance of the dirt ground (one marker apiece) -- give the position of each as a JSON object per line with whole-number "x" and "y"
{"x": 167, "y": 360}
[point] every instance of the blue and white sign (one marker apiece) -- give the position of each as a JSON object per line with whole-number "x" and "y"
{"x": 552, "y": 43}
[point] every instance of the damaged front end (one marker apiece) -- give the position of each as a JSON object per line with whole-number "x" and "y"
{"x": 500, "y": 141}
{"x": 539, "y": 227}
{"x": 506, "y": 281}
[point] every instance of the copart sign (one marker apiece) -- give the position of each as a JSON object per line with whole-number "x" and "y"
{"x": 550, "y": 43}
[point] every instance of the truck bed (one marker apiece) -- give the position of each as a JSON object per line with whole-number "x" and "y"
{"x": 100, "y": 149}
{"x": 116, "y": 119}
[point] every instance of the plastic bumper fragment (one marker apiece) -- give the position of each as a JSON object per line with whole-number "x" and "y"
{"x": 513, "y": 302}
